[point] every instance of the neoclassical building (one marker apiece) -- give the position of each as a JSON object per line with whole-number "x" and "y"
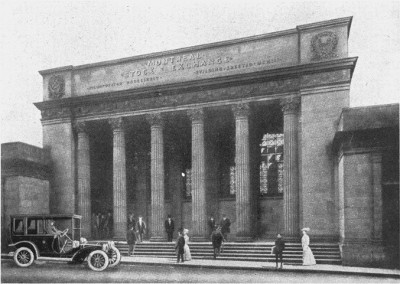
{"x": 256, "y": 128}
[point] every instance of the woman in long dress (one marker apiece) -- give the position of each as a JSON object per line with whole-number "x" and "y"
{"x": 186, "y": 256}
{"x": 308, "y": 257}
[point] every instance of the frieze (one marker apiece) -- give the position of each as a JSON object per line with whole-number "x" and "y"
{"x": 324, "y": 46}
{"x": 57, "y": 112}
{"x": 244, "y": 91}
{"x": 56, "y": 87}
{"x": 325, "y": 78}
{"x": 290, "y": 105}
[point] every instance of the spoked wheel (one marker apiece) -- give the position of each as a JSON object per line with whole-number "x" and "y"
{"x": 114, "y": 257}
{"x": 24, "y": 257}
{"x": 98, "y": 260}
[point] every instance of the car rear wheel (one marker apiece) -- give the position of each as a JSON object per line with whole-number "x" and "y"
{"x": 98, "y": 260}
{"x": 23, "y": 257}
{"x": 114, "y": 257}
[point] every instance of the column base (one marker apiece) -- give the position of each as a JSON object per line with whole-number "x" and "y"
{"x": 158, "y": 239}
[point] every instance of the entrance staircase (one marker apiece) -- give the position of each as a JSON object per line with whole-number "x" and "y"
{"x": 325, "y": 253}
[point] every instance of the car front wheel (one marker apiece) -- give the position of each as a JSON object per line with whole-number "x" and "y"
{"x": 97, "y": 260}
{"x": 23, "y": 257}
{"x": 114, "y": 257}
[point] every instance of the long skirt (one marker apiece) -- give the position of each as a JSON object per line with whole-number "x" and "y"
{"x": 308, "y": 257}
{"x": 187, "y": 256}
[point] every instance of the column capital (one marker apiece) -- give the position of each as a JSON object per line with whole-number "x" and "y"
{"x": 290, "y": 104}
{"x": 116, "y": 123}
{"x": 80, "y": 126}
{"x": 241, "y": 110}
{"x": 196, "y": 114}
{"x": 155, "y": 119}
{"x": 376, "y": 157}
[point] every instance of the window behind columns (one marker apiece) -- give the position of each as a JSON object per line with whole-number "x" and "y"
{"x": 271, "y": 166}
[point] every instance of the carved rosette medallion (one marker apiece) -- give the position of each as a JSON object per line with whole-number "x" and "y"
{"x": 324, "y": 46}
{"x": 196, "y": 114}
{"x": 80, "y": 127}
{"x": 56, "y": 87}
{"x": 116, "y": 123}
{"x": 241, "y": 110}
{"x": 155, "y": 119}
{"x": 290, "y": 105}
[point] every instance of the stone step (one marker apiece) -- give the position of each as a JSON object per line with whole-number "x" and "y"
{"x": 324, "y": 253}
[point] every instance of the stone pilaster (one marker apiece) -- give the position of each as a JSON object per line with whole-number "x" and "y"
{"x": 242, "y": 172}
{"x": 376, "y": 159}
{"x": 83, "y": 172}
{"x": 119, "y": 178}
{"x": 157, "y": 177}
{"x": 290, "y": 107}
{"x": 199, "y": 212}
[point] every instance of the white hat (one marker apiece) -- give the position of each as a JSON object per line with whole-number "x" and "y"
{"x": 306, "y": 229}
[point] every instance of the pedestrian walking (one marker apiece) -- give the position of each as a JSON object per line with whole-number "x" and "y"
{"x": 131, "y": 240}
{"x": 141, "y": 229}
{"x": 278, "y": 250}
{"x": 217, "y": 238}
{"x": 308, "y": 257}
{"x": 179, "y": 247}
{"x": 225, "y": 226}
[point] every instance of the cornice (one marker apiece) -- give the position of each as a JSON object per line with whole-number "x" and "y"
{"x": 335, "y": 22}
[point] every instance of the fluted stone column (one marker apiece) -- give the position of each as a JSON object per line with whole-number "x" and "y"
{"x": 119, "y": 178}
{"x": 199, "y": 212}
{"x": 376, "y": 159}
{"x": 83, "y": 164}
{"x": 157, "y": 177}
{"x": 290, "y": 107}
{"x": 242, "y": 172}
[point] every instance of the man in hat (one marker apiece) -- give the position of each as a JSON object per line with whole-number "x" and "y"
{"x": 278, "y": 250}
{"x": 179, "y": 247}
{"x": 169, "y": 228}
{"x": 131, "y": 239}
{"x": 217, "y": 238}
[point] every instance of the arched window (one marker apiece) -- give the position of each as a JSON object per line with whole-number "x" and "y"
{"x": 271, "y": 167}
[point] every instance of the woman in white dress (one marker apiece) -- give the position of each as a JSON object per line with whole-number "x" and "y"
{"x": 308, "y": 257}
{"x": 186, "y": 256}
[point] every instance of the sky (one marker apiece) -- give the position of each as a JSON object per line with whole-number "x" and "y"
{"x": 39, "y": 35}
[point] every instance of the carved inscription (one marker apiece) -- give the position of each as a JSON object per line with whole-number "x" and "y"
{"x": 191, "y": 65}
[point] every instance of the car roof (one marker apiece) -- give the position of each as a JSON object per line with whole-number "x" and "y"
{"x": 47, "y": 216}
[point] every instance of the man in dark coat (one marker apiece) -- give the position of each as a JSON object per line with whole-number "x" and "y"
{"x": 217, "y": 238}
{"x": 278, "y": 250}
{"x": 225, "y": 226}
{"x": 180, "y": 243}
{"x": 131, "y": 239}
{"x": 169, "y": 228}
{"x": 131, "y": 221}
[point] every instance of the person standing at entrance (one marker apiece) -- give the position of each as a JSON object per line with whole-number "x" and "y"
{"x": 141, "y": 229}
{"x": 131, "y": 221}
{"x": 225, "y": 226}
{"x": 131, "y": 240}
{"x": 308, "y": 257}
{"x": 179, "y": 247}
{"x": 278, "y": 250}
{"x": 169, "y": 228}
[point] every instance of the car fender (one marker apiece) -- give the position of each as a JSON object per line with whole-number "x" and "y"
{"x": 82, "y": 253}
{"x": 27, "y": 244}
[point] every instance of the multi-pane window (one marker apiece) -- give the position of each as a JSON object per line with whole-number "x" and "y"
{"x": 271, "y": 167}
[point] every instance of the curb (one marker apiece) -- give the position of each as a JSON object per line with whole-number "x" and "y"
{"x": 254, "y": 268}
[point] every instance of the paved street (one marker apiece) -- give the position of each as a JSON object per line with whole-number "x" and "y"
{"x": 49, "y": 272}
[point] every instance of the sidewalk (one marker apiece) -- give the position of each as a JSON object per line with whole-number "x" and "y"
{"x": 255, "y": 265}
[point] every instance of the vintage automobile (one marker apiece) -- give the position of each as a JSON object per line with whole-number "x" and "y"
{"x": 50, "y": 236}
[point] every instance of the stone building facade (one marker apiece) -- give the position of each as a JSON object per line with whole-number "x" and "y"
{"x": 254, "y": 128}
